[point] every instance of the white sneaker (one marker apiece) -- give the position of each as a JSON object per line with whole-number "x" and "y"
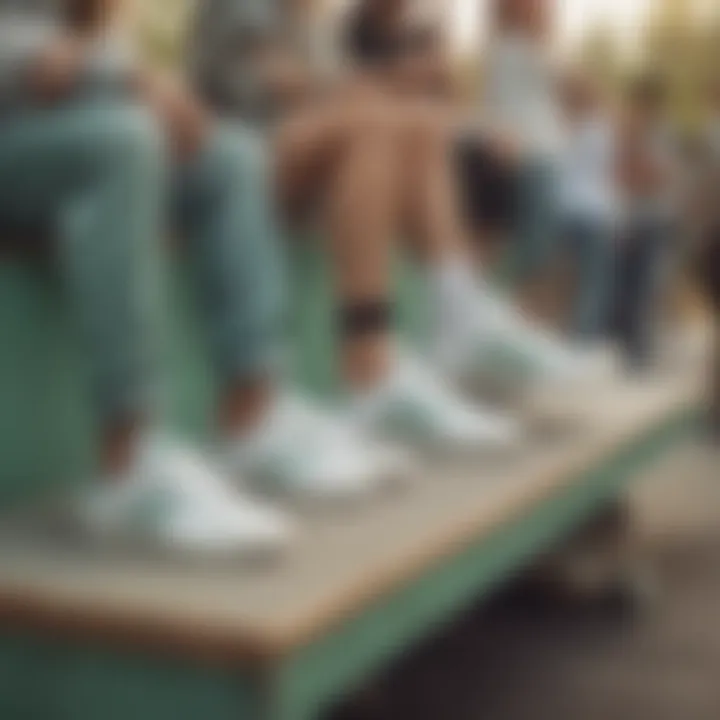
{"x": 499, "y": 346}
{"x": 417, "y": 409}
{"x": 307, "y": 454}
{"x": 171, "y": 501}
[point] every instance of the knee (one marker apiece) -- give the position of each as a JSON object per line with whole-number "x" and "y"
{"x": 423, "y": 130}
{"x": 373, "y": 123}
{"x": 127, "y": 136}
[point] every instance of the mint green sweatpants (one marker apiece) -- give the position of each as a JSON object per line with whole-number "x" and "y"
{"x": 96, "y": 171}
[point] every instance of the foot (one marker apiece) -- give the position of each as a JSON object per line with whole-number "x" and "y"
{"x": 500, "y": 348}
{"x": 307, "y": 454}
{"x": 170, "y": 501}
{"x": 416, "y": 408}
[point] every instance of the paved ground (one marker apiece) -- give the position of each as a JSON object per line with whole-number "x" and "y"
{"x": 520, "y": 660}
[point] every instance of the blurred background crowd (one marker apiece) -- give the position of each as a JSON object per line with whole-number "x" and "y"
{"x": 673, "y": 43}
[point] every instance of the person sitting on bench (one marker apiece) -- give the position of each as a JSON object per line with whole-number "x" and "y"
{"x": 373, "y": 169}
{"x": 400, "y": 48}
{"x": 97, "y": 147}
{"x": 405, "y": 52}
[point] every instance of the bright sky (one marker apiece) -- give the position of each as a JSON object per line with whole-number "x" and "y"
{"x": 575, "y": 17}
{"x": 624, "y": 16}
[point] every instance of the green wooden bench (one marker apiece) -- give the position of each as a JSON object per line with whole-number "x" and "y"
{"x": 84, "y": 636}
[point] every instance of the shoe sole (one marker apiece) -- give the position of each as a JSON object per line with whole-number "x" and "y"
{"x": 125, "y": 548}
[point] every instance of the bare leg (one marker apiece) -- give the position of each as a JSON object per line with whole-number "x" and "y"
{"x": 363, "y": 213}
{"x": 397, "y": 398}
{"x": 348, "y": 162}
{"x": 431, "y": 199}
{"x": 224, "y": 201}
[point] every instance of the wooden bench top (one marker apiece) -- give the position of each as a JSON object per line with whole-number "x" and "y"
{"x": 342, "y": 563}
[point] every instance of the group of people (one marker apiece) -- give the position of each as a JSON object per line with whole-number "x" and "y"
{"x": 281, "y": 123}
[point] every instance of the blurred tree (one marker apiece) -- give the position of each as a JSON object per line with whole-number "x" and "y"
{"x": 160, "y": 28}
{"x": 601, "y": 55}
{"x": 674, "y": 51}
{"x": 675, "y": 45}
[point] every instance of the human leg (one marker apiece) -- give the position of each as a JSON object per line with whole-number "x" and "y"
{"x": 591, "y": 244}
{"x": 477, "y": 334}
{"x": 536, "y": 224}
{"x": 272, "y": 435}
{"x": 346, "y": 164}
{"x": 361, "y": 205}
{"x": 646, "y": 272}
{"x": 97, "y": 171}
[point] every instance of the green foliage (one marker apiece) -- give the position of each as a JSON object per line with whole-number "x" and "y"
{"x": 160, "y": 27}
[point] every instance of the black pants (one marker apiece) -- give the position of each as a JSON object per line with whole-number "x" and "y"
{"x": 488, "y": 188}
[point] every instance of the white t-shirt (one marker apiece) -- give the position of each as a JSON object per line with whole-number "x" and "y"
{"x": 587, "y": 171}
{"x": 520, "y": 95}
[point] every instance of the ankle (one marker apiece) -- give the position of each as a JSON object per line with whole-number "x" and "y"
{"x": 366, "y": 362}
{"x": 244, "y": 406}
{"x": 365, "y": 327}
{"x": 118, "y": 447}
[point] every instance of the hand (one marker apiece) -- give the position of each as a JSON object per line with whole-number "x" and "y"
{"x": 57, "y": 70}
{"x": 182, "y": 115}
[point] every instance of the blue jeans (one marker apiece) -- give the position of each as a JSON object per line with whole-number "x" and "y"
{"x": 536, "y": 231}
{"x": 96, "y": 171}
{"x": 640, "y": 268}
{"x": 590, "y": 242}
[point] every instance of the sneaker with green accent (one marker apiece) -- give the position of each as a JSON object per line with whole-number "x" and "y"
{"x": 502, "y": 351}
{"x": 308, "y": 454}
{"x": 416, "y": 408}
{"x": 170, "y": 501}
